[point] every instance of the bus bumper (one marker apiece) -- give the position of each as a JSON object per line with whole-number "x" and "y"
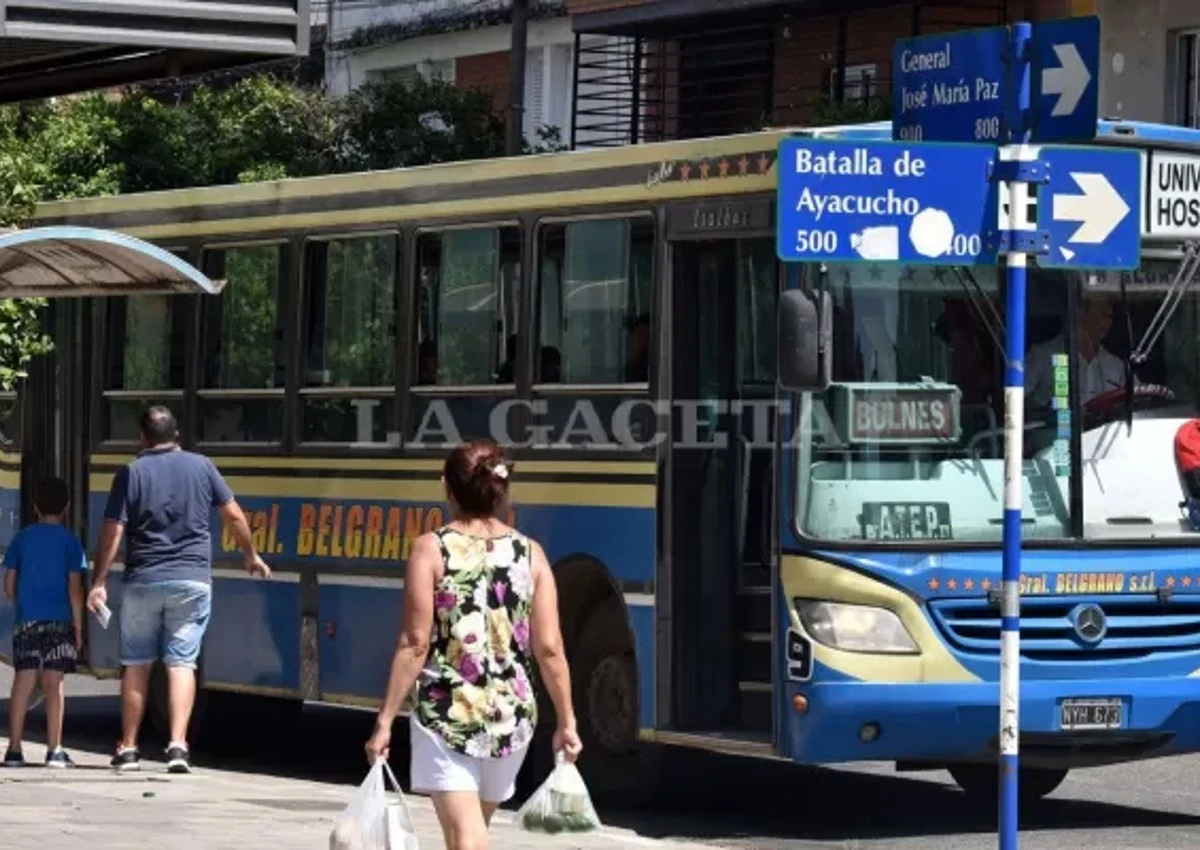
{"x": 936, "y": 724}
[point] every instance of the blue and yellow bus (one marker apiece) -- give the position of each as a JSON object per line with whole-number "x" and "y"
{"x": 797, "y": 571}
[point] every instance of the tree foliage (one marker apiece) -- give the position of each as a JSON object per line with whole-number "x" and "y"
{"x": 259, "y": 128}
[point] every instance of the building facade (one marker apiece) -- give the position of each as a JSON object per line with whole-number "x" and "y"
{"x": 53, "y": 49}
{"x": 1150, "y": 60}
{"x": 684, "y": 68}
{"x": 617, "y": 72}
{"x": 464, "y": 42}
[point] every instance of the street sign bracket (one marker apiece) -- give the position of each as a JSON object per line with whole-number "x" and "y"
{"x": 1019, "y": 241}
{"x": 1022, "y": 171}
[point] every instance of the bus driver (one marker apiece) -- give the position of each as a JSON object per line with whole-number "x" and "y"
{"x": 1100, "y": 371}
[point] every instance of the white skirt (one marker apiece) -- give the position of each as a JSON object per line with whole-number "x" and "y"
{"x": 436, "y": 767}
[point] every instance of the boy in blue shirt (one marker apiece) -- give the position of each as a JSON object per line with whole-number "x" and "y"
{"x": 44, "y": 568}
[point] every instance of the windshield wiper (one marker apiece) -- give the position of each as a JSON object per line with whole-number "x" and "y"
{"x": 1139, "y": 354}
{"x": 1175, "y": 292}
{"x": 983, "y": 305}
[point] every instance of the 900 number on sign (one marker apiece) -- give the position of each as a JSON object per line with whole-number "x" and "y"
{"x": 816, "y": 241}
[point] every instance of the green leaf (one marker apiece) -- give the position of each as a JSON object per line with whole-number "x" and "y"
{"x": 259, "y": 128}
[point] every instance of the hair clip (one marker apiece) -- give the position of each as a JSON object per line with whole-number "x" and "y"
{"x": 500, "y": 471}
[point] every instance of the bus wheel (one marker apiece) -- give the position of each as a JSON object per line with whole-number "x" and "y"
{"x": 615, "y": 762}
{"x": 981, "y": 782}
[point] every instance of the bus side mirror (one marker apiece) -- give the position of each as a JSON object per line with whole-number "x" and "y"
{"x": 805, "y": 340}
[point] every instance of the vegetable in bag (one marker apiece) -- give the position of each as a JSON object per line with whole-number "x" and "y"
{"x": 562, "y": 804}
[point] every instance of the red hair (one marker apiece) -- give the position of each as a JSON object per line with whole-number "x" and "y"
{"x": 476, "y": 475}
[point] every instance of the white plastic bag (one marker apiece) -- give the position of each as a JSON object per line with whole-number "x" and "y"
{"x": 372, "y": 821}
{"x": 562, "y": 804}
{"x": 401, "y": 831}
{"x": 363, "y": 824}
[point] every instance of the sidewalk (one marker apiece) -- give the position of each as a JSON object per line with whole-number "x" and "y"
{"x": 92, "y": 808}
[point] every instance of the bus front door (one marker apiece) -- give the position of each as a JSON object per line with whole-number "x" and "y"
{"x": 724, "y": 295}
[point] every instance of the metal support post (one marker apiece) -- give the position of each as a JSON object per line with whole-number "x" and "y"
{"x": 1014, "y": 426}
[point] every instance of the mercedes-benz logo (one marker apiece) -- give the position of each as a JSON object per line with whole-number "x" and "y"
{"x": 1090, "y": 623}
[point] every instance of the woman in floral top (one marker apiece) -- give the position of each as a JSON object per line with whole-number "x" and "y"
{"x": 479, "y": 601}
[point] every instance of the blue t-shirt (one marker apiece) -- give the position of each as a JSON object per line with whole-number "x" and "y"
{"x": 165, "y": 499}
{"x": 43, "y": 555}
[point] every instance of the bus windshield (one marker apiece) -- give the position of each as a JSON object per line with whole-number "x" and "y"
{"x": 1131, "y": 483}
{"x": 907, "y": 443}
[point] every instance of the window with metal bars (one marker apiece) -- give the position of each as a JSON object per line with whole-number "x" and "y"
{"x": 1187, "y": 74}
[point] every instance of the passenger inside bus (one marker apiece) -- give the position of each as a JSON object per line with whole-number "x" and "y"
{"x": 973, "y": 366}
{"x": 508, "y": 368}
{"x": 638, "y": 370}
{"x": 551, "y": 367}
{"x": 427, "y": 363}
{"x": 1100, "y": 371}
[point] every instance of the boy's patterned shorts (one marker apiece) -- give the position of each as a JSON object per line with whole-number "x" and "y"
{"x": 43, "y": 645}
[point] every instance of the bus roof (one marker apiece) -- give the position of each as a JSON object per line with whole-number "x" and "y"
{"x": 1128, "y": 133}
{"x": 566, "y": 182}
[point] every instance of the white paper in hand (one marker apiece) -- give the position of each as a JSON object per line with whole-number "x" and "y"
{"x": 103, "y": 615}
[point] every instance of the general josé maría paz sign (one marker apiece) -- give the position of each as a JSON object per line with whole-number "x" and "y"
{"x": 842, "y": 200}
{"x": 954, "y": 87}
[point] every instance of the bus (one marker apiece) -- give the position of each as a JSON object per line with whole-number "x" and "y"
{"x": 771, "y": 493}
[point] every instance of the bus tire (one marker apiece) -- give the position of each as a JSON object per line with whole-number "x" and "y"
{"x": 615, "y": 763}
{"x": 981, "y": 782}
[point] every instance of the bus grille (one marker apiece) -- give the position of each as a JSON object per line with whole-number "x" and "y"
{"x": 1137, "y": 627}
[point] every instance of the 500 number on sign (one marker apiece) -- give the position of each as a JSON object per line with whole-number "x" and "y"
{"x": 816, "y": 240}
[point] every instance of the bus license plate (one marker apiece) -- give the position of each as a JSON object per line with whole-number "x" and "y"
{"x": 1091, "y": 714}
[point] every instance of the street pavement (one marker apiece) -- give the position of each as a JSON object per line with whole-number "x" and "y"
{"x": 90, "y": 807}
{"x": 282, "y": 786}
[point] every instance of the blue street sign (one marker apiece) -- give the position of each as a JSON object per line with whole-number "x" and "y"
{"x": 1091, "y": 208}
{"x": 950, "y": 87}
{"x": 954, "y": 87}
{"x": 1065, "y": 64}
{"x": 842, "y": 200}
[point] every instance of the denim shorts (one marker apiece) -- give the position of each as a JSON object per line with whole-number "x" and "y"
{"x": 164, "y": 620}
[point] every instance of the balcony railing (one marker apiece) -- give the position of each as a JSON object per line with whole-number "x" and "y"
{"x": 782, "y": 65}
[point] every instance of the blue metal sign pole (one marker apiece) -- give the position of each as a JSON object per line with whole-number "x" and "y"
{"x": 1014, "y": 427}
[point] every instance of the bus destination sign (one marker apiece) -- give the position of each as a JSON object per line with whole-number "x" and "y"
{"x": 906, "y": 521}
{"x": 879, "y": 414}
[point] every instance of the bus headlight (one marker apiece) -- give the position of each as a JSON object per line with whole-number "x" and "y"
{"x": 855, "y": 628}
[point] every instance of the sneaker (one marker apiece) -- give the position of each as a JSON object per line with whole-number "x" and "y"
{"x": 178, "y": 759}
{"x": 58, "y": 758}
{"x": 14, "y": 758}
{"x": 126, "y": 760}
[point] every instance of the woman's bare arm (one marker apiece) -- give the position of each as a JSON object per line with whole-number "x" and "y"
{"x": 548, "y": 641}
{"x": 420, "y": 577}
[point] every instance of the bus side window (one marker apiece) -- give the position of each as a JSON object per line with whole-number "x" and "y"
{"x": 349, "y": 375}
{"x": 240, "y": 399}
{"x": 144, "y": 360}
{"x": 596, "y": 289}
{"x": 467, "y": 283}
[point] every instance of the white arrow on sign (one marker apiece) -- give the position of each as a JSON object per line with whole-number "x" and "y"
{"x": 1098, "y": 210}
{"x": 1068, "y": 81}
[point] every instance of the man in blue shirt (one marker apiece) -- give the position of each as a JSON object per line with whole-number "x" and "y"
{"x": 44, "y": 567}
{"x": 161, "y": 503}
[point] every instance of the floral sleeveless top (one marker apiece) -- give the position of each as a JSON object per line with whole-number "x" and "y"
{"x": 475, "y": 690}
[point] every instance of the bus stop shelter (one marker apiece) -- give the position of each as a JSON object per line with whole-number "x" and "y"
{"x": 52, "y": 262}
{"x": 51, "y": 48}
